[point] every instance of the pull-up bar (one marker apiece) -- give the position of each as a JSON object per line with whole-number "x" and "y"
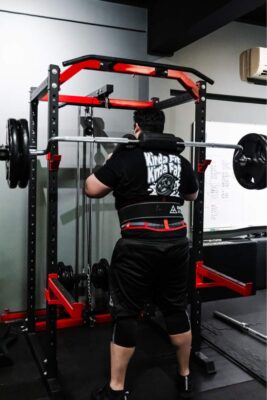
{"x": 122, "y": 66}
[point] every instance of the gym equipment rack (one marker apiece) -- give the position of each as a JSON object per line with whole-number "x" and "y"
{"x": 49, "y": 91}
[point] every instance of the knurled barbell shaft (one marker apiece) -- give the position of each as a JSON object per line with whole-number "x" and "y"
{"x": 241, "y": 325}
{"x": 89, "y": 139}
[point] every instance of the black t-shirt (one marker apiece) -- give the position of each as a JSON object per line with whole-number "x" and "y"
{"x": 138, "y": 176}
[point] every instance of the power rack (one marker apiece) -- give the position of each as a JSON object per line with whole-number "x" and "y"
{"x": 48, "y": 91}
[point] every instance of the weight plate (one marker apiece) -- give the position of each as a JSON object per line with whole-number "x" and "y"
{"x": 65, "y": 273}
{"x": 25, "y": 160}
{"x": 13, "y": 162}
{"x": 99, "y": 274}
{"x": 251, "y": 174}
{"x": 104, "y": 264}
{"x": 262, "y": 159}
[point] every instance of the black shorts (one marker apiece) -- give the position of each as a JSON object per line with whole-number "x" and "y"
{"x": 145, "y": 271}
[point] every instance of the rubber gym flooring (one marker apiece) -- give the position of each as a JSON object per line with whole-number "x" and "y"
{"x": 83, "y": 360}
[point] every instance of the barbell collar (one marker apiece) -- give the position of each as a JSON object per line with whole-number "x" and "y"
{"x": 116, "y": 140}
{"x": 4, "y": 154}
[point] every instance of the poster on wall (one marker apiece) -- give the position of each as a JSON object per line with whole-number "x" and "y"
{"x": 227, "y": 204}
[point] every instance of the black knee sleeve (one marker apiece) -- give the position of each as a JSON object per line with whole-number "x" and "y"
{"x": 124, "y": 332}
{"x": 177, "y": 323}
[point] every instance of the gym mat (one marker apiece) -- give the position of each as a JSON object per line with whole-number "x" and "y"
{"x": 84, "y": 364}
{"x": 83, "y": 360}
{"x": 21, "y": 380}
{"x": 246, "y": 391}
{"x": 248, "y": 352}
{"x": 240, "y": 305}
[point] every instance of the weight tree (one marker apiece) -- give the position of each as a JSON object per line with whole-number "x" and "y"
{"x": 49, "y": 91}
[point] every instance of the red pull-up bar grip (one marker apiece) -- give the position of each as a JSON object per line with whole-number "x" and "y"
{"x": 109, "y": 103}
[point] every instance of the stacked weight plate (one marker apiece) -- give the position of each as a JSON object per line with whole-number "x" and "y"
{"x": 18, "y": 157}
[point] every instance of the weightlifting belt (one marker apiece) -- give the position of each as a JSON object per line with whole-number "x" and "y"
{"x": 141, "y": 216}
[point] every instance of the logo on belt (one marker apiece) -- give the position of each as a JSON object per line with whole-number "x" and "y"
{"x": 175, "y": 210}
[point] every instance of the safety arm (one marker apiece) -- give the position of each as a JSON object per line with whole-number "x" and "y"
{"x": 94, "y": 188}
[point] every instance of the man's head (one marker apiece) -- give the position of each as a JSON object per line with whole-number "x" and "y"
{"x": 148, "y": 120}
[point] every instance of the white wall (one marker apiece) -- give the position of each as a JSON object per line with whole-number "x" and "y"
{"x": 217, "y": 56}
{"x": 28, "y": 45}
{"x": 90, "y": 11}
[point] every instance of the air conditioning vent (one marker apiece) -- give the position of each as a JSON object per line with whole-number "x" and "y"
{"x": 253, "y": 65}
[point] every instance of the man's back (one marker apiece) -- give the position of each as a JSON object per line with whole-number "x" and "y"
{"x": 138, "y": 176}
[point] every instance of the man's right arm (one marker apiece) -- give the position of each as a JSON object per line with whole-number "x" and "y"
{"x": 189, "y": 185}
{"x": 190, "y": 196}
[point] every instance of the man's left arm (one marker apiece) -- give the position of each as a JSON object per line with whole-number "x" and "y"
{"x": 105, "y": 179}
{"x": 96, "y": 189}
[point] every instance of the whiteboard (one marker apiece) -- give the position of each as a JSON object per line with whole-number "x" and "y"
{"x": 227, "y": 205}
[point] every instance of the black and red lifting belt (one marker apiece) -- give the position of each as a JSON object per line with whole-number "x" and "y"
{"x": 147, "y": 211}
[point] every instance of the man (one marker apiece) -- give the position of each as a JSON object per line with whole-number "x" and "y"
{"x": 150, "y": 261}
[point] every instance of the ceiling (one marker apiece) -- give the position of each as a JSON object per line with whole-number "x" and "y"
{"x": 172, "y": 26}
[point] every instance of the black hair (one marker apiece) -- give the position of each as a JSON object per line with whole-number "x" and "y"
{"x": 150, "y": 120}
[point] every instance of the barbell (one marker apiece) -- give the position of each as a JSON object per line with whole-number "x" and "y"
{"x": 249, "y": 159}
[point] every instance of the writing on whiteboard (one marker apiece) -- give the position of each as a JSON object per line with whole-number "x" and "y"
{"x": 227, "y": 204}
